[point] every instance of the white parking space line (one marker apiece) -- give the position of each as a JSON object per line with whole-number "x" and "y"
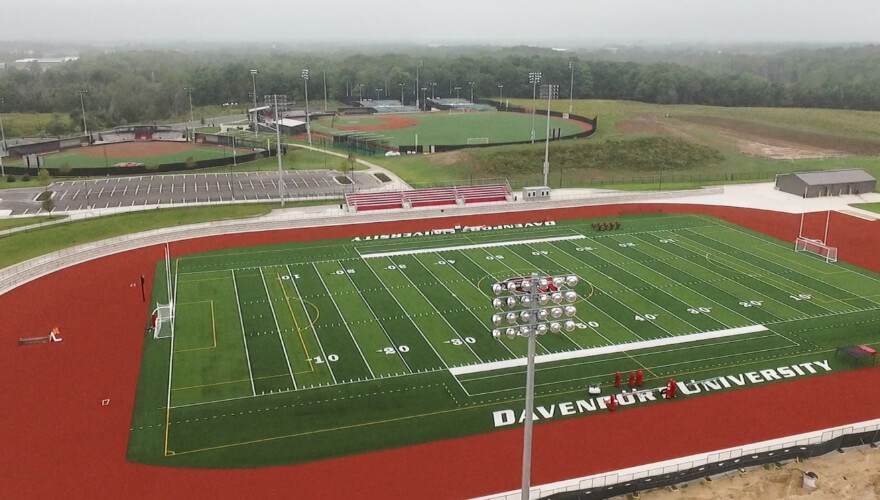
{"x": 101, "y": 192}
{"x": 136, "y": 189}
{"x": 294, "y": 183}
{"x": 263, "y": 184}
{"x": 125, "y": 190}
{"x": 113, "y": 192}
{"x": 74, "y": 194}
{"x": 274, "y": 186}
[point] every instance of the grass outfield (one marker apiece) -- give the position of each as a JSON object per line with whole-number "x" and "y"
{"x": 456, "y": 128}
{"x": 76, "y": 160}
{"x": 299, "y": 352}
{"x": 621, "y": 121}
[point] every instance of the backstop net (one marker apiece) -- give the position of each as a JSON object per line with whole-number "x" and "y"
{"x": 817, "y": 247}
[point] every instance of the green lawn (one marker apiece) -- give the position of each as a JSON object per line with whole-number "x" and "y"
{"x": 298, "y": 352}
{"x": 26, "y": 245}
{"x": 873, "y": 207}
{"x": 29, "y": 221}
{"x": 445, "y": 128}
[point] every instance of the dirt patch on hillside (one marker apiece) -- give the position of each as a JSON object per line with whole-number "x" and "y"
{"x": 390, "y": 123}
{"x": 849, "y": 475}
{"x": 448, "y": 159}
{"x": 135, "y": 149}
{"x": 751, "y": 138}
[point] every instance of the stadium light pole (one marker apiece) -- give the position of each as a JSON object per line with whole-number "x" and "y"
{"x": 500, "y": 94}
{"x": 416, "y": 88}
{"x": 378, "y": 89}
{"x": 433, "y": 88}
{"x": 82, "y": 104}
{"x": 278, "y": 152}
{"x": 191, "y": 118}
{"x": 401, "y": 93}
{"x": 325, "y": 90}
{"x": 570, "y": 87}
{"x": 305, "y": 77}
{"x": 552, "y": 91}
{"x": 424, "y": 96}
{"x": 534, "y": 78}
{"x": 472, "y": 91}
{"x": 3, "y": 133}
{"x": 256, "y": 123}
{"x": 533, "y": 306}
{"x": 458, "y": 92}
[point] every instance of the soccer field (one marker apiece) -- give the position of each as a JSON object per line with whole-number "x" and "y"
{"x": 298, "y": 352}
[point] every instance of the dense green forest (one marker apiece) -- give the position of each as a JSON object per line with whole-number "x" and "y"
{"x": 132, "y": 86}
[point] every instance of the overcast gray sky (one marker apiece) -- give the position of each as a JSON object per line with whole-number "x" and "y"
{"x": 503, "y": 22}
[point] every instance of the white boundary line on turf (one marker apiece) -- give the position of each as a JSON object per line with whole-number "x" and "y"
{"x": 243, "y": 337}
{"x": 611, "y": 349}
{"x": 278, "y": 328}
{"x": 468, "y": 247}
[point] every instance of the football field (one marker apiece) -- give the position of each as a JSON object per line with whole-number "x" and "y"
{"x": 296, "y": 352}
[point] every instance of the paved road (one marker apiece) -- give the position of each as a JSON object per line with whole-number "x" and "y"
{"x": 180, "y": 189}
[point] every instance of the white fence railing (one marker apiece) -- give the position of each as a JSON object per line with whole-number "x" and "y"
{"x": 691, "y": 462}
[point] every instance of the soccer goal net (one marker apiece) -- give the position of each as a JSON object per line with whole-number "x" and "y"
{"x": 478, "y": 140}
{"x": 829, "y": 253}
{"x": 164, "y": 325}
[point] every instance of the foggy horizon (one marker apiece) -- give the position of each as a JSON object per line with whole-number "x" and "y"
{"x": 569, "y": 23}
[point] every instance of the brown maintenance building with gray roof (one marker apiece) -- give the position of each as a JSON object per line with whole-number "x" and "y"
{"x": 828, "y": 183}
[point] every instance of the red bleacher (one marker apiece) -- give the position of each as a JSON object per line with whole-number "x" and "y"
{"x": 428, "y": 197}
{"x": 479, "y": 194}
{"x": 375, "y": 201}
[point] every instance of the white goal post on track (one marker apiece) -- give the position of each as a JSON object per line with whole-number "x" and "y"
{"x": 817, "y": 247}
{"x": 163, "y": 324}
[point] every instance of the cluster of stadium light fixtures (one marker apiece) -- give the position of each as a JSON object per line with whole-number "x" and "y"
{"x": 534, "y": 305}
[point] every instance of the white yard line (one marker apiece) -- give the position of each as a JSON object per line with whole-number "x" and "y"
{"x": 309, "y": 317}
{"x": 243, "y": 337}
{"x": 439, "y": 315}
{"x": 278, "y": 328}
{"x": 341, "y": 317}
{"x": 378, "y": 321}
{"x": 674, "y": 255}
{"x": 611, "y": 349}
{"x": 795, "y": 287}
{"x": 468, "y": 247}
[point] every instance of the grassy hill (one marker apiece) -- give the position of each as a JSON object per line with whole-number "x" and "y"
{"x": 644, "y": 146}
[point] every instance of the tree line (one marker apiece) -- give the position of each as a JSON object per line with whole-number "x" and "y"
{"x": 147, "y": 86}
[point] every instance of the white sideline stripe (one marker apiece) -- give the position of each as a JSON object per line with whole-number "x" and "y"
{"x": 610, "y": 349}
{"x": 468, "y": 247}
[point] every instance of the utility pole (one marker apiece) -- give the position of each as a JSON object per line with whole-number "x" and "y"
{"x": 325, "y": 90}
{"x": 570, "y": 87}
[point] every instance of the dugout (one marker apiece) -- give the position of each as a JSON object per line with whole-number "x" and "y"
{"x": 827, "y": 183}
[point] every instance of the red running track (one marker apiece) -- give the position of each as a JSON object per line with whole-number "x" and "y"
{"x": 58, "y": 440}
